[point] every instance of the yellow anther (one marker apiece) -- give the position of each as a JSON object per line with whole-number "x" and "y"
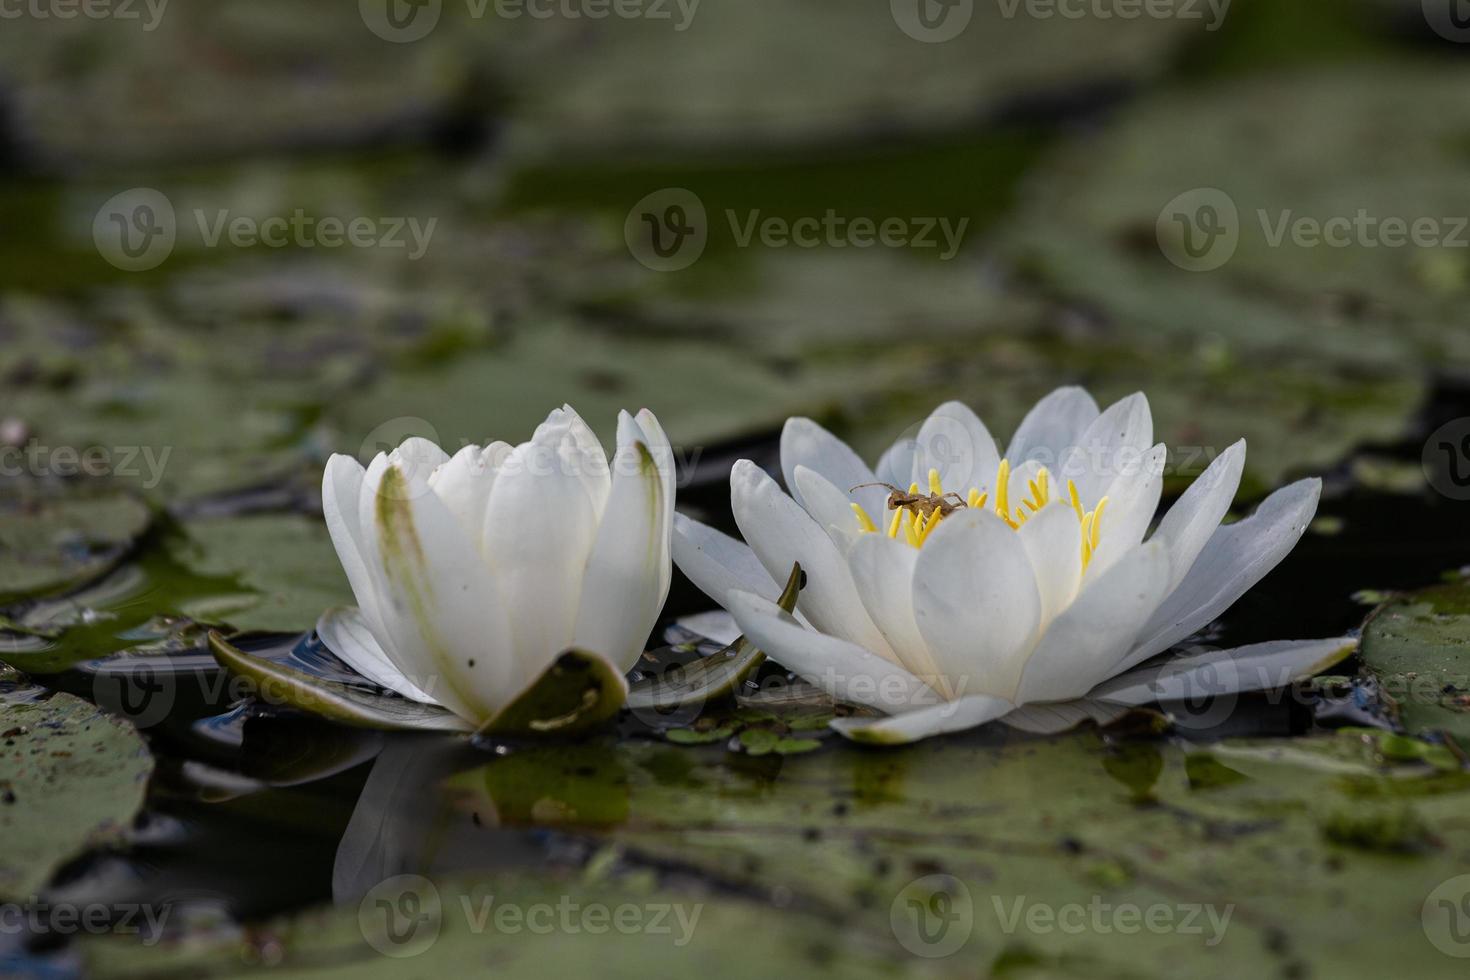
{"x": 911, "y": 533}
{"x": 896, "y": 523}
{"x": 935, "y": 487}
{"x": 864, "y": 521}
{"x": 1003, "y": 490}
{"x": 1076, "y": 500}
{"x": 975, "y": 499}
{"x": 1096, "y": 528}
{"x": 980, "y": 500}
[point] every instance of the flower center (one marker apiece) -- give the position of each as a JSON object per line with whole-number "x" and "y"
{"x": 916, "y": 515}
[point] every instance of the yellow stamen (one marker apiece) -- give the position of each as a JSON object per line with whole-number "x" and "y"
{"x": 911, "y": 533}
{"x": 1003, "y": 490}
{"x": 1097, "y": 523}
{"x": 1076, "y": 500}
{"x": 935, "y": 487}
{"x": 896, "y": 523}
{"x": 864, "y": 521}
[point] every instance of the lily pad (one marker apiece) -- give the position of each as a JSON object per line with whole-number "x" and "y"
{"x": 74, "y": 778}
{"x": 55, "y": 539}
{"x": 1418, "y": 647}
{"x": 279, "y": 684}
{"x": 285, "y": 564}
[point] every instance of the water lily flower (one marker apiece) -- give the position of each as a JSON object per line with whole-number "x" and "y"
{"x": 475, "y": 573}
{"x": 956, "y": 585}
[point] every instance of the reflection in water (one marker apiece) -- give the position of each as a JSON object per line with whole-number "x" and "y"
{"x": 435, "y": 805}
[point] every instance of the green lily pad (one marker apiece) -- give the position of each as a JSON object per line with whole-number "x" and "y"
{"x": 56, "y": 539}
{"x": 282, "y": 685}
{"x": 1265, "y": 856}
{"x": 285, "y": 564}
{"x": 1418, "y": 648}
{"x": 73, "y": 779}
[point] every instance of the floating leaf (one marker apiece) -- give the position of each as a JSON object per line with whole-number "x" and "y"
{"x": 52, "y": 541}
{"x": 1418, "y": 648}
{"x": 73, "y": 778}
{"x": 278, "y": 684}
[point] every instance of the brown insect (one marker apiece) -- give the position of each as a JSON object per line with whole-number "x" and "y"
{"x": 922, "y": 504}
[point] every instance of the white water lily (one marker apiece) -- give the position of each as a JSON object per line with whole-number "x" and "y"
{"x": 1015, "y": 586}
{"x": 473, "y": 574}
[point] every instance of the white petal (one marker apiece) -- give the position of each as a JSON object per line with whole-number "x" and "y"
{"x": 781, "y": 533}
{"x": 896, "y": 466}
{"x": 595, "y": 472}
{"x": 464, "y": 483}
{"x": 718, "y": 626}
{"x": 910, "y": 726}
{"x": 829, "y": 506}
{"x": 955, "y": 442}
{"x": 805, "y": 443}
{"x": 539, "y": 530}
{"x": 1259, "y": 667}
{"x": 1053, "y": 542}
{"x": 883, "y": 571}
{"x": 976, "y": 603}
{"x": 1049, "y": 719}
{"x": 440, "y": 608}
{"x": 1133, "y": 499}
{"x": 346, "y": 633}
{"x": 1236, "y": 557}
{"x": 1199, "y": 511}
{"x": 341, "y": 491}
{"x": 627, "y": 574}
{"x": 717, "y": 563}
{"x": 844, "y": 670}
{"x": 1115, "y": 440}
{"x": 1053, "y": 425}
{"x": 420, "y": 457}
{"x": 1082, "y": 644}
